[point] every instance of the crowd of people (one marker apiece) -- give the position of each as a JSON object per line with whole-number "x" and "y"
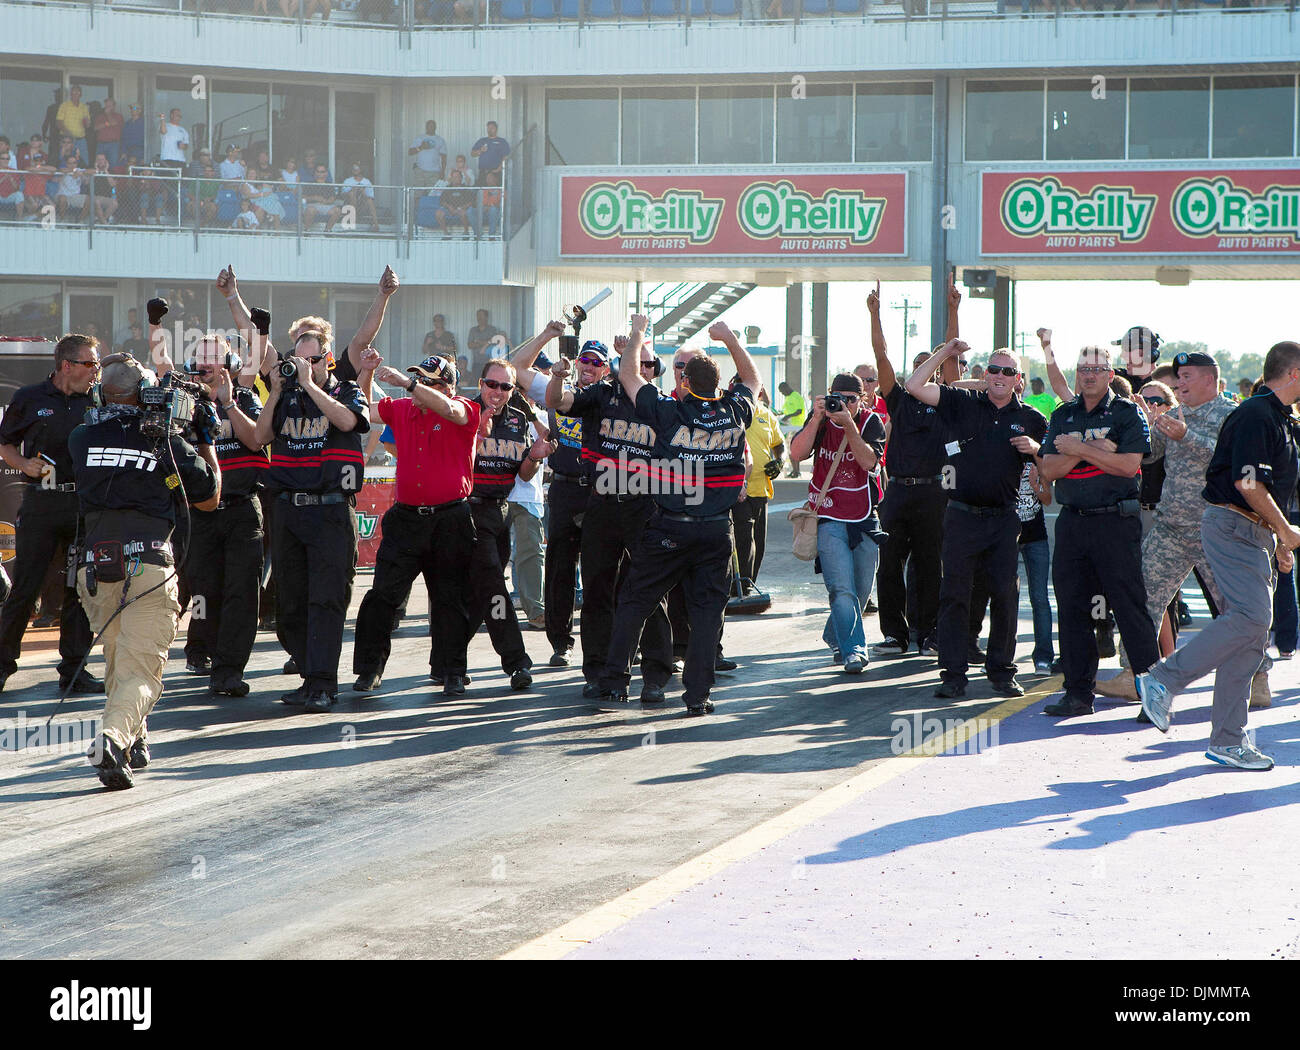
{"x": 929, "y": 488}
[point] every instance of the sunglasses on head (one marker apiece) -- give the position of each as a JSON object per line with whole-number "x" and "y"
{"x": 492, "y": 384}
{"x": 1154, "y": 400}
{"x": 1001, "y": 370}
{"x": 588, "y": 359}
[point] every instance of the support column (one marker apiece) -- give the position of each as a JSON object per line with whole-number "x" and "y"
{"x": 939, "y": 199}
{"x": 819, "y": 379}
{"x": 793, "y": 334}
{"x": 1004, "y": 313}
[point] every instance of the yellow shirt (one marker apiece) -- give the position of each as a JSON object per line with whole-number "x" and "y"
{"x": 763, "y": 435}
{"x": 73, "y": 118}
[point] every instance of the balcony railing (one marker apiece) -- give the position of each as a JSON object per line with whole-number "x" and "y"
{"x": 416, "y": 15}
{"x": 154, "y": 198}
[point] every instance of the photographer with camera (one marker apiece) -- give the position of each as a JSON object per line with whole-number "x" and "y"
{"x": 224, "y": 567}
{"x": 315, "y": 426}
{"x": 34, "y": 439}
{"x": 131, "y": 465}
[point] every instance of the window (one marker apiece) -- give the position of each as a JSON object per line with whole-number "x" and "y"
{"x": 1081, "y": 126}
{"x": 25, "y": 95}
{"x": 736, "y": 125}
{"x": 894, "y": 122}
{"x": 817, "y": 129}
{"x": 300, "y": 121}
{"x": 239, "y": 118}
{"x": 354, "y": 133}
{"x": 659, "y": 125}
{"x": 32, "y": 310}
{"x": 1254, "y": 116}
{"x": 176, "y": 93}
{"x": 1169, "y": 117}
{"x": 93, "y": 89}
{"x": 1004, "y": 120}
{"x": 581, "y": 126}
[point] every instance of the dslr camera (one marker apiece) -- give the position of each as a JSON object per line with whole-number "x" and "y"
{"x": 834, "y": 403}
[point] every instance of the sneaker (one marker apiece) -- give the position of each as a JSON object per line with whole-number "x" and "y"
{"x": 1120, "y": 686}
{"x": 1042, "y": 667}
{"x": 855, "y": 665}
{"x": 455, "y": 685}
{"x": 229, "y": 687}
{"x": 1244, "y": 756}
{"x": 591, "y": 691}
{"x": 138, "y": 756}
{"x": 297, "y": 698}
{"x": 704, "y": 707}
{"x": 722, "y": 663}
{"x": 520, "y": 680}
{"x": 869, "y": 607}
{"x": 199, "y": 665}
{"x": 1068, "y": 707}
{"x": 367, "y": 682}
{"x": 613, "y": 701}
{"x": 836, "y": 657}
{"x": 319, "y": 700}
{"x": 652, "y": 695}
{"x": 1009, "y": 687}
{"x": 929, "y": 647}
{"x": 110, "y": 762}
{"x": 85, "y": 683}
{"x": 560, "y": 658}
{"x": 950, "y": 691}
{"x": 679, "y": 665}
{"x": 1157, "y": 704}
{"x": 889, "y": 647}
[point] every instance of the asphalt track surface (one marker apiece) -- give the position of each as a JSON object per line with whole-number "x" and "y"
{"x": 403, "y": 825}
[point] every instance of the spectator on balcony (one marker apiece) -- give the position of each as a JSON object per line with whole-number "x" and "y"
{"x": 203, "y": 160}
{"x": 430, "y": 153}
{"x": 440, "y": 341}
{"x": 103, "y": 190}
{"x": 33, "y": 160}
{"x": 108, "y": 131}
{"x": 70, "y": 193}
{"x": 311, "y": 160}
{"x": 476, "y": 342}
{"x": 487, "y": 206}
{"x": 260, "y": 191}
{"x": 320, "y": 199}
{"x": 175, "y": 139}
{"x": 289, "y": 172}
{"x": 154, "y": 194}
{"x": 133, "y": 133}
{"x": 359, "y": 193}
{"x": 454, "y": 205}
{"x": 247, "y": 219}
{"x": 466, "y": 172}
{"x": 73, "y": 118}
{"x": 135, "y": 343}
{"x": 491, "y": 150}
{"x": 68, "y": 150}
{"x": 11, "y": 192}
{"x": 50, "y": 125}
{"x": 233, "y": 169}
{"x": 208, "y": 184}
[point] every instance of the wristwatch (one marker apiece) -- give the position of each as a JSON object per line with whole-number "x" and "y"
{"x": 414, "y": 383}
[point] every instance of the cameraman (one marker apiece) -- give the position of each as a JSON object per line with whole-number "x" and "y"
{"x": 126, "y": 481}
{"x": 315, "y": 426}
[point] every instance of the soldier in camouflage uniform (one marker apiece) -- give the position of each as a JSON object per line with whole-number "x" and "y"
{"x": 1185, "y": 435}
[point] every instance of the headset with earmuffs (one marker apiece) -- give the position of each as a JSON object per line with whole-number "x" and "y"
{"x": 97, "y": 388}
{"x": 230, "y": 361}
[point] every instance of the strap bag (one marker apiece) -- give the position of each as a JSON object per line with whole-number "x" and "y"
{"x": 804, "y": 519}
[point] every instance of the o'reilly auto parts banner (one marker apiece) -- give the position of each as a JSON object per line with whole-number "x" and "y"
{"x": 853, "y": 214}
{"x": 1140, "y": 212}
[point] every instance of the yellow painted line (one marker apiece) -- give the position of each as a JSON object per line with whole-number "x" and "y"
{"x": 608, "y": 917}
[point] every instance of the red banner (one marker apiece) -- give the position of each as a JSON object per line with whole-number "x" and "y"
{"x": 774, "y": 215}
{"x": 373, "y": 501}
{"x": 1140, "y": 212}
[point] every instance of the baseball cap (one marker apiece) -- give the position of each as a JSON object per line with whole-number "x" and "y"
{"x": 595, "y": 346}
{"x": 1194, "y": 358}
{"x": 1139, "y": 340}
{"x": 542, "y": 363}
{"x": 436, "y": 370}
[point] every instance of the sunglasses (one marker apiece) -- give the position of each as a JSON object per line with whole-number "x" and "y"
{"x": 1091, "y": 370}
{"x": 851, "y": 398}
{"x": 317, "y": 359}
{"x": 492, "y": 384}
{"x": 587, "y": 359}
{"x": 1157, "y": 400}
{"x": 679, "y": 365}
{"x": 647, "y": 364}
{"x": 87, "y": 364}
{"x": 868, "y": 379}
{"x": 1001, "y": 370}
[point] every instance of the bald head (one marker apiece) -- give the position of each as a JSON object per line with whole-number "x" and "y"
{"x": 121, "y": 378}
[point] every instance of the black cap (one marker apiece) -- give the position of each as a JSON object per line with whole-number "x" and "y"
{"x": 1194, "y": 358}
{"x": 436, "y": 369}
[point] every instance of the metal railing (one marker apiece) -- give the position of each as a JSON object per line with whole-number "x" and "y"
{"x": 152, "y": 198}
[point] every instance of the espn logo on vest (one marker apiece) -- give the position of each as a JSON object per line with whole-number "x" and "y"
{"x": 121, "y": 457}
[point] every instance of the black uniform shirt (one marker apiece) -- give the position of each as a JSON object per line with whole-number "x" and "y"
{"x": 699, "y": 452}
{"x": 615, "y": 443}
{"x": 498, "y": 456}
{"x": 1115, "y": 418}
{"x": 1258, "y": 442}
{"x": 986, "y": 466}
{"x": 242, "y": 469}
{"x": 39, "y": 419}
{"x": 308, "y": 453}
{"x": 128, "y": 484}
{"x": 916, "y": 436}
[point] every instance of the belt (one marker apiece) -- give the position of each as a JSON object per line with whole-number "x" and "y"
{"x": 620, "y": 497}
{"x": 1148, "y": 506}
{"x": 234, "y": 501}
{"x": 1089, "y": 512}
{"x": 491, "y": 501}
{"x": 693, "y": 519}
{"x": 314, "y": 499}
{"x": 36, "y": 486}
{"x": 1249, "y": 515}
{"x": 574, "y": 479}
{"x": 431, "y": 508}
{"x": 980, "y": 512}
{"x": 897, "y": 480}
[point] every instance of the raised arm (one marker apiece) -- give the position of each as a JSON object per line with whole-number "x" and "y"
{"x": 1055, "y": 377}
{"x": 884, "y": 369}
{"x": 630, "y": 378}
{"x": 428, "y": 397}
{"x": 919, "y": 383}
{"x": 244, "y": 428}
{"x": 526, "y": 356}
{"x": 374, "y": 318}
{"x": 949, "y": 371}
{"x": 160, "y": 359}
{"x": 745, "y": 367}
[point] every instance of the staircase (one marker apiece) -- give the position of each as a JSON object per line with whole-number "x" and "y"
{"x": 679, "y": 311}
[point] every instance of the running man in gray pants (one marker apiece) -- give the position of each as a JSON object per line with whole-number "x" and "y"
{"x": 1249, "y": 485}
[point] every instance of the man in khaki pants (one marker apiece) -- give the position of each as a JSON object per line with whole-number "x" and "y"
{"x": 128, "y": 476}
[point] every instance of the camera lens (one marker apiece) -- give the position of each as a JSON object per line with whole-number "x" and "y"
{"x": 288, "y": 370}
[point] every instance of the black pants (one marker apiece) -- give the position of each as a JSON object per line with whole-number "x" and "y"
{"x": 613, "y": 530}
{"x": 224, "y": 565}
{"x": 489, "y": 598}
{"x": 973, "y": 543}
{"x": 439, "y": 547}
{"x": 913, "y": 516}
{"x": 679, "y": 620}
{"x": 1099, "y": 557}
{"x": 749, "y": 520}
{"x": 315, "y": 550}
{"x": 46, "y": 520}
{"x": 566, "y": 502}
{"x": 696, "y": 555}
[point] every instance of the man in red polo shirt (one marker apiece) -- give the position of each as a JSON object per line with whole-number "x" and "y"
{"x": 429, "y": 530}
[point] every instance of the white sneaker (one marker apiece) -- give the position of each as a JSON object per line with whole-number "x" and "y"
{"x": 855, "y": 665}
{"x": 889, "y": 647}
{"x": 1244, "y": 756}
{"x": 1156, "y": 701}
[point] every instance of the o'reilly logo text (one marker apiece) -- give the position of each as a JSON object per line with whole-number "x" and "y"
{"x": 91, "y": 1003}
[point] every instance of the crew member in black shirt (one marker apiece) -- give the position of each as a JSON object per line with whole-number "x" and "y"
{"x": 1093, "y": 452}
{"x": 127, "y": 481}
{"x": 991, "y": 434}
{"x": 34, "y": 439}
{"x": 697, "y": 475}
{"x": 911, "y": 513}
{"x": 1249, "y": 486}
{"x": 315, "y": 426}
